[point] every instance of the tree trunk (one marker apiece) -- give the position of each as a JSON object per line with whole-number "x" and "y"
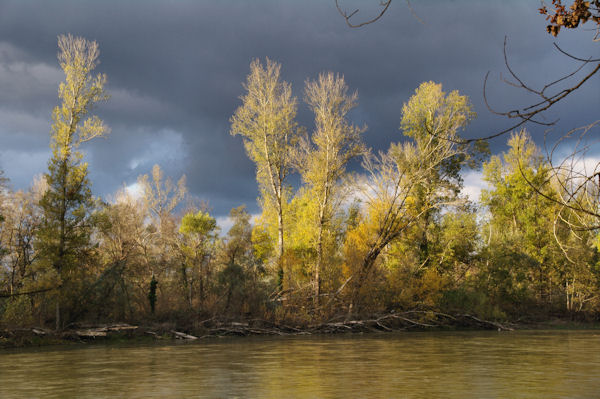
{"x": 569, "y": 307}
{"x": 280, "y": 273}
{"x": 57, "y": 314}
{"x": 317, "y": 282}
{"x": 363, "y": 272}
{"x": 61, "y": 245}
{"x": 185, "y": 283}
{"x": 201, "y": 285}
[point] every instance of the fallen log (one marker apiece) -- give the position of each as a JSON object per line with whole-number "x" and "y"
{"x": 180, "y": 335}
{"x": 406, "y": 319}
{"x": 122, "y": 327}
{"x": 493, "y": 324}
{"x": 91, "y": 333}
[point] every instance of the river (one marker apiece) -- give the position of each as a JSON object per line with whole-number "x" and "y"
{"x": 523, "y": 364}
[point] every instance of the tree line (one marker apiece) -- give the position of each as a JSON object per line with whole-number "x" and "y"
{"x": 400, "y": 235}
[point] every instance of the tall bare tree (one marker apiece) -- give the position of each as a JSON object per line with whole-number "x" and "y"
{"x": 161, "y": 196}
{"x": 323, "y": 158}
{"x": 266, "y": 122}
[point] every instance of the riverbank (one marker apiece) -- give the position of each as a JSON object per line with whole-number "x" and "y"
{"x": 409, "y": 321}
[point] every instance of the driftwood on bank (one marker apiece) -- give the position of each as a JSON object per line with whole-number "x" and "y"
{"x": 215, "y": 327}
{"x": 420, "y": 320}
{"x": 91, "y": 333}
{"x": 180, "y": 335}
{"x": 97, "y": 332}
{"x": 39, "y": 332}
{"x": 487, "y": 323}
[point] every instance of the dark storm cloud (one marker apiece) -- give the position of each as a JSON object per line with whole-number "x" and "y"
{"x": 175, "y": 70}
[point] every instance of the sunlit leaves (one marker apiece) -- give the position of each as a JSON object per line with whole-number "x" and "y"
{"x": 562, "y": 17}
{"x": 200, "y": 223}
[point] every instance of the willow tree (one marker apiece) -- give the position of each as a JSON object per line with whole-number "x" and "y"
{"x": 65, "y": 234}
{"x": 266, "y": 122}
{"x": 408, "y": 181}
{"x": 334, "y": 142}
{"x": 429, "y": 117}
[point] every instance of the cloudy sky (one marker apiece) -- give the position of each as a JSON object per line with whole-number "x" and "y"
{"x": 175, "y": 71}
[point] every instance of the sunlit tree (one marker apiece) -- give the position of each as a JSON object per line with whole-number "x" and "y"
{"x": 266, "y": 122}
{"x": 196, "y": 245}
{"x": 323, "y": 158}
{"x": 65, "y": 235}
{"x": 412, "y": 178}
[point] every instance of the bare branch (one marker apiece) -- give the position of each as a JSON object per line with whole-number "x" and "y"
{"x": 529, "y": 112}
{"x": 414, "y": 14}
{"x": 347, "y": 16}
{"x": 574, "y": 57}
{"x": 9, "y": 295}
{"x": 577, "y": 188}
{"x": 384, "y": 4}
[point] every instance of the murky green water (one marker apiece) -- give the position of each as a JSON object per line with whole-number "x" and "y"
{"x": 557, "y": 364}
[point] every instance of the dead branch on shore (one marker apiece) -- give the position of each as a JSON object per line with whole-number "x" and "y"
{"x": 180, "y": 335}
{"x": 422, "y": 320}
{"x": 103, "y": 331}
{"x": 390, "y": 322}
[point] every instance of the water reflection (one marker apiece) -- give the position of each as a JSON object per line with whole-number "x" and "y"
{"x": 410, "y": 365}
